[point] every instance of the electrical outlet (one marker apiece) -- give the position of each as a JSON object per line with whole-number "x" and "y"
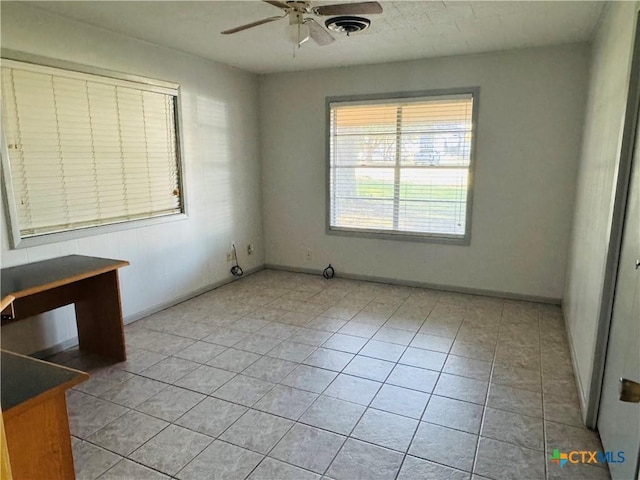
{"x": 229, "y": 257}
{"x": 250, "y": 249}
{"x": 308, "y": 255}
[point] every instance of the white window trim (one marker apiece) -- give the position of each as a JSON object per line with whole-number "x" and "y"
{"x": 11, "y": 212}
{"x": 391, "y": 98}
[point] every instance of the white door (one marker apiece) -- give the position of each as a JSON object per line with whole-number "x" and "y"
{"x": 619, "y": 421}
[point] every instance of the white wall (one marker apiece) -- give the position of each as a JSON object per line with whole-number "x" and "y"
{"x": 598, "y": 171}
{"x": 221, "y": 155}
{"x": 531, "y": 110}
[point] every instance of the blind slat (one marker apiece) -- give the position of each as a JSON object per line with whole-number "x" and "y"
{"x": 401, "y": 167}
{"x": 85, "y": 152}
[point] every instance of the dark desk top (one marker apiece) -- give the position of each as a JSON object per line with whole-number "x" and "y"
{"x": 38, "y": 276}
{"x": 25, "y": 378}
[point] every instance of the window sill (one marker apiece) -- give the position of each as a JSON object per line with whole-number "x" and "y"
{"x": 374, "y": 234}
{"x": 18, "y": 243}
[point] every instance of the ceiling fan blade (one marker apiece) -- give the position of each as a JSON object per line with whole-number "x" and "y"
{"x": 317, "y": 33}
{"x": 349, "y": 9}
{"x": 275, "y": 3}
{"x": 251, "y": 25}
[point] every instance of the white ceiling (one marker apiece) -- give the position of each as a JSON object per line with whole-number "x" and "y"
{"x": 405, "y": 30}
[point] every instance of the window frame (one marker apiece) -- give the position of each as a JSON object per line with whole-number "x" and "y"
{"x": 381, "y": 98}
{"x": 15, "y": 239}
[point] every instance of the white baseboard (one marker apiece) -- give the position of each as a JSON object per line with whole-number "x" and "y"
{"x": 183, "y": 298}
{"x": 582, "y": 398}
{"x": 431, "y": 286}
{"x": 72, "y": 342}
{"x": 448, "y": 288}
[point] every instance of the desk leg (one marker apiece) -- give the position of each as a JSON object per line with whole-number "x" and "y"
{"x": 39, "y": 442}
{"x": 99, "y": 316}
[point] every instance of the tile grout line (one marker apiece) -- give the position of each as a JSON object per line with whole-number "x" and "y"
{"x": 484, "y": 408}
{"x": 542, "y": 396}
{"x": 294, "y": 422}
{"x": 348, "y": 436}
{"x": 413, "y": 436}
{"x": 211, "y": 394}
{"x": 357, "y": 353}
{"x": 123, "y": 458}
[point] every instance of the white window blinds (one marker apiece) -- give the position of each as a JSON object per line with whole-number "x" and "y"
{"x": 86, "y": 150}
{"x": 401, "y": 166}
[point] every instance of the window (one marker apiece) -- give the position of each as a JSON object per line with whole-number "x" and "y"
{"x": 87, "y": 150}
{"x": 401, "y": 167}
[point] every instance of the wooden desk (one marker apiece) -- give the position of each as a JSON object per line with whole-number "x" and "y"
{"x": 90, "y": 283}
{"x": 34, "y": 412}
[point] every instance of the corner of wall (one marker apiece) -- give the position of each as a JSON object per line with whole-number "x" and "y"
{"x": 585, "y": 292}
{"x": 582, "y": 399}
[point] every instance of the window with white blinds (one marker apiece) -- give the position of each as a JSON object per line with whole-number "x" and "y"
{"x": 86, "y": 150}
{"x": 401, "y": 166}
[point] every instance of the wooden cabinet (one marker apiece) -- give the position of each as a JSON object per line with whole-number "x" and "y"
{"x": 34, "y": 412}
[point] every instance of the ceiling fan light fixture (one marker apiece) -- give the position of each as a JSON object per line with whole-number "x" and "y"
{"x": 348, "y": 24}
{"x": 298, "y": 33}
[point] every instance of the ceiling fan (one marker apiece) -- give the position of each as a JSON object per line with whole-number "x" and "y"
{"x": 302, "y": 28}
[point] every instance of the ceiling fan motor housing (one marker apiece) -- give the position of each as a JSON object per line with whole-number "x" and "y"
{"x": 300, "y": 6}
{"x": 302, "y": 27}
{"x": 348, "y": 24}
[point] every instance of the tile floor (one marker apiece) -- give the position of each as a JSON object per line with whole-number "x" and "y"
{"x": 289, "y": 376}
